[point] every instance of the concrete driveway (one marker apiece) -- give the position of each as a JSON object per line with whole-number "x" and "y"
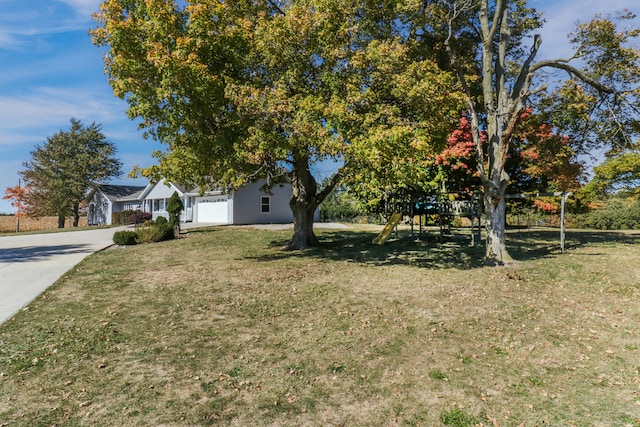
{"x": 29, "y": 264}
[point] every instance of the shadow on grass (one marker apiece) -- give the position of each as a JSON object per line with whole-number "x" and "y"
{"x": 540, "y": 243}
{"x": 356, "y": 246}
{"x": 456, "y": 252}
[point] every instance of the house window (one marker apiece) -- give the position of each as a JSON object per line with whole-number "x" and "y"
{"x": 158, "y": 205}
{"x": 265, "y": 204}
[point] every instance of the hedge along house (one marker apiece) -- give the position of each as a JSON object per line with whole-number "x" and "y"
{"x": 246, "y": 205}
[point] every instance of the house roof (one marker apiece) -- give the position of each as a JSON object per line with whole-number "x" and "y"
{"x": 180, "y": 187}
{"x": 133, "y": 196}
{"x": 117, "y": 192}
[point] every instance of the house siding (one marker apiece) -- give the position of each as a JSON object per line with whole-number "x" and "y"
{"x": 247, "y": 205}
{"x": 243, "y": 206}
{"x": 99, "y": 209}
{"x": 158, "y": 198}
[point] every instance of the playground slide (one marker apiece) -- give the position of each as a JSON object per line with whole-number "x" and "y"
{"x": 386, "y": 231}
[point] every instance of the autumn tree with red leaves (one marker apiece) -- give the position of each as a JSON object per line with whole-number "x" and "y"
{"x": 18, "y": 197}
{"x": 539, "y": 159}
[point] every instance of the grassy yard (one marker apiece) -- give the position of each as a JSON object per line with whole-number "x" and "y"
{"x": 225, "y": 328}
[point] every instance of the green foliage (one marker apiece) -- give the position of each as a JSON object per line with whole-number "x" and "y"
{"x": 616, "y": 214}
{"x": 174, "y": 208}
{"x": 458, "y": 418}
{"x": 239, "y": 90}
{"x": 121, "y": 218}
{"x": 339, "y": 206}
{"x": 161, "y": 221}
{"x": 618, "y": 173}
{"x": 153, "y": 232}
{"x": 65, "y": 168}
{"x": 511, "y": 78}
{"x": 438, "y": 375}
{"x": 125, "y": 237}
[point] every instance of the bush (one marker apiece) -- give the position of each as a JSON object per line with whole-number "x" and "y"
{"x": 617, "y": 214}
{"x": 121, "y": 218}
{"x": 125, "y": 237}
{"x": 138, "y": 217}
{"x": 161, "y": 221}
{"x": 339, "y": 206}
{"x": 174, "y": 208}
{"x": 152, "y": 233}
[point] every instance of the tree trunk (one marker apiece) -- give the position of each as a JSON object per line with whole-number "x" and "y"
{"x": 303, "y": 235}
{"x": 61, "y": 219}
{"x": 495, "y": 211}
{"x": 303, "y": 204}
{"x": 76, "y": 215}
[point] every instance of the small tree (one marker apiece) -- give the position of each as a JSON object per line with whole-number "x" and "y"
{"x": 17, "y": 195}
{"x": 174, "y": 208}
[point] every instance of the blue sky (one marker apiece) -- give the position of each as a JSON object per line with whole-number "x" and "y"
{"x": 50, "y": 72}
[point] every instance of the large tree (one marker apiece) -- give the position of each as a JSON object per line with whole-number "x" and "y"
{"x": 501, "y": 75}
{"x": 65, "y": 168}
{"x": 241, "y": 90}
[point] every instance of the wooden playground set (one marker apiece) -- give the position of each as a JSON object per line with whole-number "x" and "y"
{"x": 447, "y": 206}
{"x": 443, "y": 209}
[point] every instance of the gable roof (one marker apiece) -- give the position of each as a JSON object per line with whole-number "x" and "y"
{"x": 115, "y": 192}
{"x": 133, "y": 196}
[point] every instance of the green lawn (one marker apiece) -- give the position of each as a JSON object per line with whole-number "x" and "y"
{"x": 225, "y": 328}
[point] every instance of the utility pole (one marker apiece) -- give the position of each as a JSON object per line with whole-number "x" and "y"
{"x": 19, "y": 208}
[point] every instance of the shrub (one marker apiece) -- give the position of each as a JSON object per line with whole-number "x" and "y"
{"x": 122, "y": 217}
{"x": 161, "y": 221}
{"x": 152, "y": 233}
{"x": 138, "y": 217}
{"x": 125, "y": 237}
{"x": 339, "y": 206}
{"x": 174, "y": 208}
{"x": 615, "y": 215}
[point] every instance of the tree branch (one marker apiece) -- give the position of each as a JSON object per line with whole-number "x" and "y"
{"x": 277, "y": 8}
{"x": 497, "y": 16}
{"x": 335, "y": 179}
{"x": 561, "y": 65}
{"x": 524, "y": 78}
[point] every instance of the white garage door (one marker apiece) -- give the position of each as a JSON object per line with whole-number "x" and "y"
{"x": 213, "y": 209}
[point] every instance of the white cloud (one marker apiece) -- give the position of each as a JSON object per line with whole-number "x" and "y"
{"x": 48, "y": 107}
{"x": 563, "y": 16}
{"x": 83, "y": 8}
{"x": 28, "y": 22}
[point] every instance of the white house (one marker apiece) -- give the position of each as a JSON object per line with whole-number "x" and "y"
{"x": 105, "y": 201}
{"x": 246, "y": 205}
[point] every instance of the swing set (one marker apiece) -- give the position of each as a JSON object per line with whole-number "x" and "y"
{"x": 446, "y": 207}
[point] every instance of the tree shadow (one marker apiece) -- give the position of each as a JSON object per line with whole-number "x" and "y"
{"x": 540, "y": 243}
{"x": 455, "y": 252}
{"x": 357, "y": 247}
{"x": 38, "y": 253}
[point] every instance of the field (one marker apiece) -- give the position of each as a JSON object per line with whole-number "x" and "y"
{"x": 225, "y": 328}
{"x": 8, "y": 224}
